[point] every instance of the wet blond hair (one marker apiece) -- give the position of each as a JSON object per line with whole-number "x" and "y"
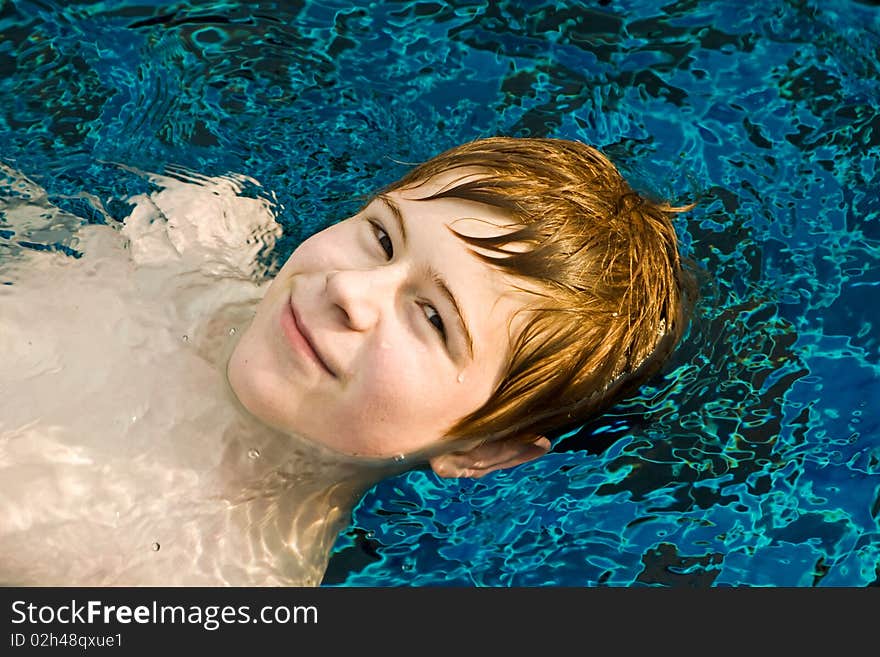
{"x": 616, "y": 298}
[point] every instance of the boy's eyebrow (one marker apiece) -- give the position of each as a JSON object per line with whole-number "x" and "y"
{"x": 398, "y": 215}
{"x": 438, "y": 279}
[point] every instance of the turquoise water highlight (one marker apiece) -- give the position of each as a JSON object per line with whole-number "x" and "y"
{"x": 754, "y": 458}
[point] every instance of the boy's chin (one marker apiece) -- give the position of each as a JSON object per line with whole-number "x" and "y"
{"x": 247, "y": 389}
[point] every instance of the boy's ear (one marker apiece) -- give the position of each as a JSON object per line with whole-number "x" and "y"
{"x": 488, "y": 457}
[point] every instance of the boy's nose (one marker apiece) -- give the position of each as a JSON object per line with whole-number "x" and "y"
{"x": 362, "y": 294}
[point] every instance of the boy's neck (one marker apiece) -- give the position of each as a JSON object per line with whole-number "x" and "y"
{"x": 291, "y": 493}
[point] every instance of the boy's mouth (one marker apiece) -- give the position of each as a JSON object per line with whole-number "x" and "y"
{"x": 299, "y": 338}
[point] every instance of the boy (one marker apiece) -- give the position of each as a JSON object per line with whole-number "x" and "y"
{"x": 503, "y": 290}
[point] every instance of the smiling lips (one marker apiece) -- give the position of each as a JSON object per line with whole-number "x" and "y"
{"x": 298, "y": 337}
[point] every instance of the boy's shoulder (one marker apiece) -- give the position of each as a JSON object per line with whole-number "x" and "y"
{"x": 203, "y": 222}
{"x": 189, "y": 222}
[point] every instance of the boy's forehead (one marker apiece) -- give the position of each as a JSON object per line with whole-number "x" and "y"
{"x": 465, "y": 216}
{"x": 443, "y": 181}
{"x": 479, "y": 220}
{"x": 475, "y": 219}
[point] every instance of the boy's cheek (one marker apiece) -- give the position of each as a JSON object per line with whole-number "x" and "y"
{"x": 411, "y": 394}
{"x": 306, "y": 260}
{"x": 396, "y": 372}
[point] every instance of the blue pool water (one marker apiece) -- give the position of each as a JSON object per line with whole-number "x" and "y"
{"x": 754, "y": 458}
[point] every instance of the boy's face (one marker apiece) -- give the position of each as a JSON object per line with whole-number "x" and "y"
{"x": 394, "y": 366}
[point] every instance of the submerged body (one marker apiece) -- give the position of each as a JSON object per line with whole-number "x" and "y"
{"x": 158, "y": 382}
{"x": 125, "y": 459}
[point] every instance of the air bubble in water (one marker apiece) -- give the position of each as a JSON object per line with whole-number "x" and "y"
{"x": 253, "y": 453}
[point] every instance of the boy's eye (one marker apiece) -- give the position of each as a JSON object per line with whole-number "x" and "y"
{"x": 435, "y": 319}
{"x": 384, "y": 240}
{"x": 388, "y": 247}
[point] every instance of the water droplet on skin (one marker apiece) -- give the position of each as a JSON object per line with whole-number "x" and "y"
{"x": 155, "y": 547}
{"x": 399, "y": 458}
{"x": 253, "y": 453}
{"x": 385, "y": 345}
{"x": 134, "y": 419}
{"x": 460, "y": 378}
